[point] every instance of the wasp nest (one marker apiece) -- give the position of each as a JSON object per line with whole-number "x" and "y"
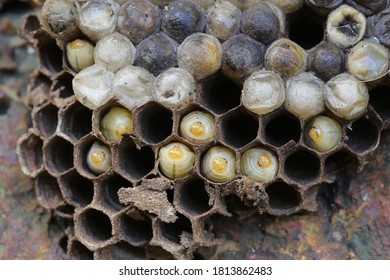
{"x": 149, "y": 117}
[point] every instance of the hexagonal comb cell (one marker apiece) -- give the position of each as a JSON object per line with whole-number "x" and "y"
{"x": 153, "y": 122}
{"x": 48, "y": 191}
{"x": 362, "y": 135}
{"x": 107, "y": 192}
{"x": 220, "y": 95}
{"x": 380, "y": 101}
{"x": 75, "y": 121}
{"x": 193, "y": 197}
{"x": 281, "y": 129}
{"x": 173, "y": 231}
{"x": 50, "y": 61}
{"x": 166, "y": 218}
{"x": 131, "y": 161}
{"x": 77, "y": 190}
{"x": 93, "y": 227}
{"x": 306, "y": 30}
{"x": 302, "y": 167}
{"x": 135, "y": 230}
{"x": 283, "y": 198}
{"x": 77, "y": 251}
{"x": 120, "y": 251}
{"x": 339, "y": 161}
{"x": 45, "y": 119}
{"x": 81, "y": 151}
{"x": 62, "y": 88}
{"x": 58, "y": 155}
{"x": 238, "y": 128}
{"x": 30, "y": 154}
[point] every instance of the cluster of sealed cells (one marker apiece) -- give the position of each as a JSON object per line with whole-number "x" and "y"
{"x": 133, "y": 209}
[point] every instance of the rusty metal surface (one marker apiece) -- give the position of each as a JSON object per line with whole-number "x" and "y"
{"x": 352, "y": 221}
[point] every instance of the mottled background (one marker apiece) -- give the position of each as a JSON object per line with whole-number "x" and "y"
{"x": 352, "y": 221}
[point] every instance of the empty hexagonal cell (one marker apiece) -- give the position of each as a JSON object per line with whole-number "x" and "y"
{"x": 93, "y": 227}
{"x": 306, "y": 30}
{"x": 45, "y": 119}
{"x": 29, "y": 25}
{"x": 153, "y": 122}
{"x": 380, "y": 101}
{"x": 47, "y": 190}
{"x": 302, "y": 167}
{"x": 107, "y": 192}
{"x": 239, "y": 128}
{"x": 362, "y": 135}
{"x": 58, "y": 155}
{"x": 220, "y": 95}
{"x": 49, "y": 60}
{"x": 77, "y": 190}
{"x": 65, "y": 211}
{"x": 281, "y": 129}
{"x": 136, "y": 232}
{"x": 76, "y": 121}
{"x": 62, "y": 86}
{"x": 235, "y": 205}
{"x": 339, "y": 161}
{"x": 283, "y": 198}
{"x": 132, "y": 162}
{"x": 82, "y": 149}
{"x": 173, "y": 231}
{"x": 120, "y": 251}
{"x": 29, "y": 150}
{"x": 77, "y": 251}
{"x": 193, "y": 197}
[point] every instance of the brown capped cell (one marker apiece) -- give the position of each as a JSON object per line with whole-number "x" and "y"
{"x": 326, "y": 61}
{"x": 264, "y": 22}
{"x": 324, "y": 7}
{"x": 137, "y": 19}
{"x": 157, "y": 53}
{"x": 241, "y": 56}
{"x": 183, "y": 18}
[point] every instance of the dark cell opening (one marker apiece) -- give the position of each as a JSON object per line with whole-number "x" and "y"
{"x": 64, "y": 243}
{"x": 136, "y": 232}
{"x": 239, "y": 129}
{"x": 50, "y": 54}
{"x": 362, "y": 135}
{"x": 306, "y": 30}
{"x": 78, "y": 251}
{"x": 221, "y": 95}
{"x": 109, "y": 191}
{"x": 59, "y": 155}
{"x": 380, "y": 100}
{"x": 77, "y": 121}
{"x": 77, "y": 189}
{"x": 302, "y": 167}
{"x": 172, "y": 231}
{"x": 282, "y": 129}
{"x": 47, "y": 190}
{"x": 31, "y": 153}
{"x": 46, "y": 120}
{"x": 194, "y": 198}
{"x": 96, "y": 226}
{"x": 63, "y": 85}
{"x": 282, "y": 197}
{"x": 339, "y": 161}
{"x": 121, "y": 251}
{"x": 135, "y": 162}
{"x": 155, "y": 123}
